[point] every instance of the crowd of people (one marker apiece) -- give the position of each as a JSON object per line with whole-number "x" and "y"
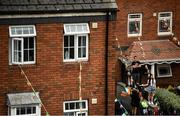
{"x": 142, "y": 95}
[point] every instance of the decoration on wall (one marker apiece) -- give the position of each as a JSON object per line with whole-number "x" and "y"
{"x": 175, "y": 40}
{"x": 30, "y": 85}
{"x": 80, "y": 86}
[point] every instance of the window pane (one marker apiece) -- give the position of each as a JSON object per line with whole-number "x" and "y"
{"x": 31, "y": 29}
{"x": 15, "y": 56}
{"x": 80, "y": 28}
{"x": 84, "y": 41}
{"x": 31, "y": 42}
{"x": 19, "y": 45}
{"x": 19, "y": 31}
{"x": 65, "y": 41}
{"x": 25, "y": 30}
{"x": 83, "y": 105}
{"x": 31, "y": 55}
{"x": 15, "y": 45}
{"x": 135, "y": 16}
{"x": 72, "y": 41}
{"x": 165, "y": 14}
{"x": 26, "y": 55}
{"x": 25, "y": 43}
{"x": 73, "y": 28}
{"x": 72, "y": 106}
{"x": 13, "y": 31}
{"x": 164, "y": 71}
{"x": 66, "y": 53}
{"x": 66, "y": 106}
{"x": 28, "y": 110}
{"x": 17, "y": 51}
{"x": 18, "y": 111}
{"x": 77, "y": 105}
{"x": 22, "y": 110}
{"x": 19, "y": 57}
{"x": 134, "y": 27}
{"x": 81, "y": 52}
{"x": 76, "y": 28}
{"x": 164, "y": 25}
{"x": 82, "y": 114}
{"x": 69, "y": 114}
{"x": 71, "y": 53}
{"x": 34, "y": 110}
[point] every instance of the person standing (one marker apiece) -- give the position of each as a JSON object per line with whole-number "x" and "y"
{"x": 150, "y": 87}
{"x": 135, "y": 100}
{"x": 136, "y": 71}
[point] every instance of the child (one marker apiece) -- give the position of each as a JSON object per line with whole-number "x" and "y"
{"x": 150, "y": 88}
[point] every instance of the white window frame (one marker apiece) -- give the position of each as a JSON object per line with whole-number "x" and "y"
{"x": 20, "y": 37}
{"x": 166, "y": 66}
{"x": 76, "y": 111}
{"x": 21, "y": 28}
{"x": 69, "y": 31}
{"x": 164, "y": 18}
{"x": 13, "y": 110}
{"x": 76, "y": 34}
{"x": 132, "y": 20}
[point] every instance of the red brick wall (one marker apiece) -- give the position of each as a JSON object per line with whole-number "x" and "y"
{"x": 58, "y": 81}
{"x": 149, "y": 25}
{"x": 55, "y": 80}
{"x": 149, "y": 32}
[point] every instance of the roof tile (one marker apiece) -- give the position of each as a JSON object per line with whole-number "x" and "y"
{"x": 77, "y": 7}
{"x": 15, "y": 6}
{"x": 154, "y": 50}
{"x": 88, "y": 1}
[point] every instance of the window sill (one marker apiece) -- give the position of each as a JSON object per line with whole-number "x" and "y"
{"x": 165, "y": 34}
{"x": 165, "y": 76}
{"x": 23, "y": 65}
{"x": 76, "y": 62}
{"x": 134, "y": 35}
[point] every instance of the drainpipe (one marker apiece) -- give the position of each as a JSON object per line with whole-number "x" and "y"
{"x": 106, "y": 63}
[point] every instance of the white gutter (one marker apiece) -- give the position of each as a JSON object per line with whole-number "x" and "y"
{"x": 167, "y": 61}
{"x": 52, "y": 15}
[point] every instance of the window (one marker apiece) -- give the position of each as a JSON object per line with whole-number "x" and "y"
{"x": 164, "y": 70}
{"x": 22, "y": 44}
{"x": 23, "y": 104}
{"x": 78, "y": 108}
{"x": 165, "y": 23}
{"x": 135, "y": 24}
{"x": 76, "y": 42}
{"x": 26, "y": 110}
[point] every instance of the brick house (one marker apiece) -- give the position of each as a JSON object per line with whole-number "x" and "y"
{"x": 49, "y": 38}
{"x": 44, "y": 41}
{"x": 150, "y": 31}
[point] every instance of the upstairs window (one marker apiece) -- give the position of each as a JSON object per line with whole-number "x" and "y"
{"x": 135, "y": 25}
{"x": 22, "y": 44}
{"x": 165, "y": 23}
{"x": 76, "y": 42}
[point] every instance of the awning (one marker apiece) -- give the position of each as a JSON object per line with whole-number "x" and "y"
{"x": 154, "y": 51}
{"x": 15, "y": 99}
